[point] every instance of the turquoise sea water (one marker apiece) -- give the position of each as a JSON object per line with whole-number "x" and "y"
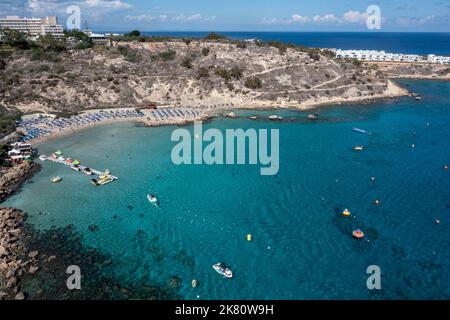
{"x": 302, "y": 246}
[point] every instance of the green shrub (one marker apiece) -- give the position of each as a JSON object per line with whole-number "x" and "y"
{"x": 187, "y": 63}
{"x": 223, "y": 73}
{"x": 236, "y": 72}
{"x": 253, "y": 83}
{"x": 241, "y": 44}
{"x": 37, "y": 53}
{"x": 44, "y": 68}
{"x": 202, "y": 72}
{"x": 167, "y": 55}
{"x": 205, "y": 51}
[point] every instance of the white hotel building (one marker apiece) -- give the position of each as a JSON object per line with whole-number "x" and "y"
{"x": 34, "y": 27}
{"x": 374, "y": 55}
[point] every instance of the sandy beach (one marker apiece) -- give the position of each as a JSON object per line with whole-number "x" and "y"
{"x": 208, "y": 111}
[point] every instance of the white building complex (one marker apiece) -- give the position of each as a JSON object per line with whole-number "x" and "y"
{"x": 375, "y": 55}
{"x": 34, "y": 27}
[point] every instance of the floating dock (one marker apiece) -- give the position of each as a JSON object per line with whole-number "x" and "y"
{"x": 78, "y": 167}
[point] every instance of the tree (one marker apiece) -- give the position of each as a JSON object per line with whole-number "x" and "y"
{"x": 215, "y": 36}
{"x": 48, "y": 42}
{"x": 2, "y": 64}
{"x": 134, "y": 33}
{"x": 16, "y": 39}
{"x": 84, "y": 42}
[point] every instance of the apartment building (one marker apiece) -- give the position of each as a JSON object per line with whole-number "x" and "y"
{"x": 34, "y": 27}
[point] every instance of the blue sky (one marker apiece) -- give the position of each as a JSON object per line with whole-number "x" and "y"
{"x": 242, "y": 15}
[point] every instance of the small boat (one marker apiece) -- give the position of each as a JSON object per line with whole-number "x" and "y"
{"x": 252, "y": 117}
{"x": 275, "y": 118}
{"x": 346, "y": 213}
{"x": 358, "y": 148}
{"x": 361, "y": 131}
{"x": 76, "y": 168}
{"x": 223, "y": 270}
{"x": 56, "y": 179}
{"x": 104, "y": 180}
{"x": 94, "y": 182}
{"x": 58, "y": 153}
{"x": 194, "y": 283}
{"x": 249, "y": 237}
{"x": 152, "y": 199}
{"x": 313, "y": 116}
{"x": 43, "y": 157}
{"x": 358, "y": 234}
{"x": 88, "y": 171}
{"x": 230, "y": 115}
{"x": 418, "y": 98}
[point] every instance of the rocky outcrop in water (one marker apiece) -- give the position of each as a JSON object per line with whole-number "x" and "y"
{"x": 15, "y": 260}
{"x": 33, "y": 265}
{"x": 11, "y": 178}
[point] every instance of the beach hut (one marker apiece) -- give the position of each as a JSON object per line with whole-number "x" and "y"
{"x": 152, "y": 106}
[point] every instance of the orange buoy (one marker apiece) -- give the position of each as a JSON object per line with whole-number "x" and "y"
{"x": 346, "y": 213}
{"x": 358, "y": 234}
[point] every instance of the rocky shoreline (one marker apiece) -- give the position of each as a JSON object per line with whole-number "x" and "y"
{"x": 33, "y": 266}
{"x": 16, "y": 260}
{"x": 12, "y": 178}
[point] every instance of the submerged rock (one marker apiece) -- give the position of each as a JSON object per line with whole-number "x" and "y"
{"x": 93, "y": 228}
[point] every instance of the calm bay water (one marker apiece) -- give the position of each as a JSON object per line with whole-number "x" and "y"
{"x": 397, "y": 42}
{"x": 302, "y": 246}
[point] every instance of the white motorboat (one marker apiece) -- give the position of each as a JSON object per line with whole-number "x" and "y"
{"x": 152, "y": 199}
{"x": 223, "y": 270}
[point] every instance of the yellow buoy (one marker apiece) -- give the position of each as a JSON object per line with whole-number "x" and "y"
{"x": 346, "y": 213}
{"x": 249, "y": 237}
{"x": 194, "y": 283}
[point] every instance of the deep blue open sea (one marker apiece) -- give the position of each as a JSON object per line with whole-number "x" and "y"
{"x": 397, "y": 42}
{"x": 302, "y": 246}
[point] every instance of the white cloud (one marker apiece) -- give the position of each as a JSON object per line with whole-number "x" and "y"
{"x": 58, "y": 7}
{"x": 193, "y": 18}
{"x": 355, "y": 17}
{"x": 146, "y": 17}
{"x": 111, "y": 4}
{"x": 327, "y": 18}
{"x": 299, "y": 18}
{"x": 164, "y": 17}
